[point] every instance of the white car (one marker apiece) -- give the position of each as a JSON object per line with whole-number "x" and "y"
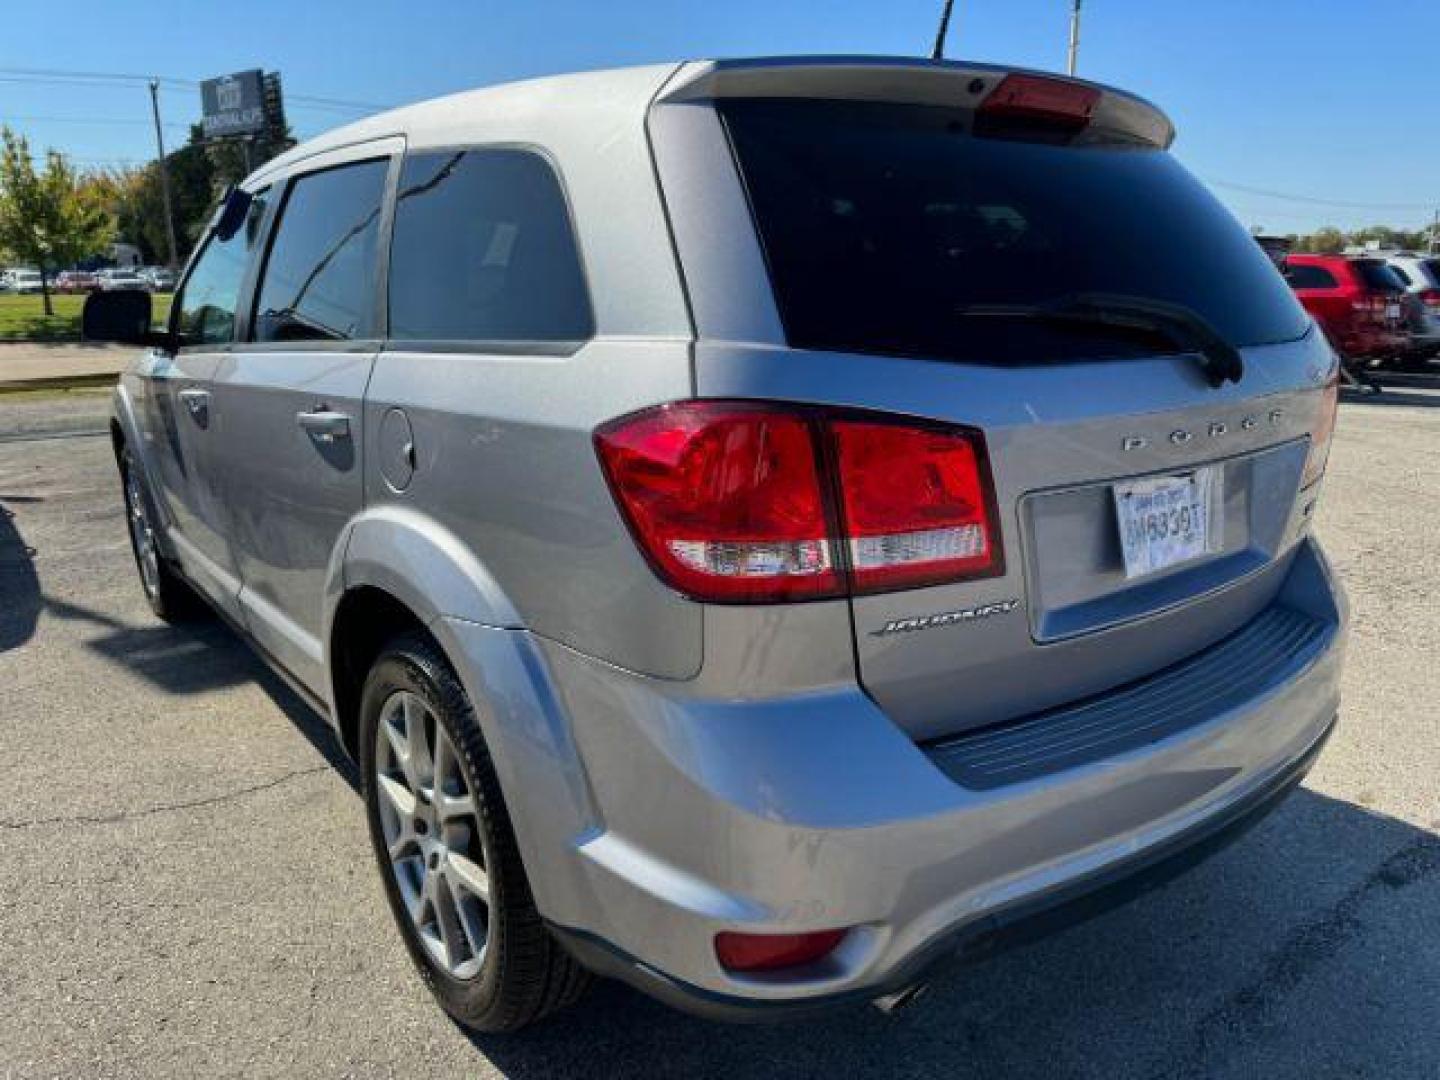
{"x": 122, "y": 281}
{"x": 25, "y": 281}
{"x": 1421, "y": 275}
{"x": 160, "y": 278}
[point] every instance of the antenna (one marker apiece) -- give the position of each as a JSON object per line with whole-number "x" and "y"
{"x": 939, "y": 51}
{"x": 1074, "y": 37}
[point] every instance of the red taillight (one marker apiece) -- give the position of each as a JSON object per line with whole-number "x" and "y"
{"x": 1035, "y": 98}
{"x": 767, "y": 952}
{"x": 1374, "y": 305}
{"x": 725, "y": 500}
{"x": 1430, "y": 298}
{"x": 731, "y": 501}
{"x": 915, "y": 505}
{"x": 1321, "y": 433}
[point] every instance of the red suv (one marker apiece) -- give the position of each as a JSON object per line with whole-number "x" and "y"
{"x": 1359, "y": 303}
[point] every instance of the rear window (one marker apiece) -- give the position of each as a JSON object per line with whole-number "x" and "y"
{"x": 1307, "y": 276}
{"x": 1432, "y": 268}
{"x": 881, "y": 221}
{"x": 1377, "y": 275}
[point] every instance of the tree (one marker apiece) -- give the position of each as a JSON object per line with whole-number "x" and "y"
{"x": 200, "y": 172}
{"x": 49, "y": 218}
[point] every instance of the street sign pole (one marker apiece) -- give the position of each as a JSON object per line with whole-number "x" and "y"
{"x": 164, "y": 174}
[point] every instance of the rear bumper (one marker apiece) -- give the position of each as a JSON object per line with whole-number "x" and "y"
{"x": 653, "y": 815}
{"x": 1081, "y": 899}
{"x": 1372, "y": 343}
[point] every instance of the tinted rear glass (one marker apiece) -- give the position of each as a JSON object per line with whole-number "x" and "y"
{"x": 483, "y": 251}
{"x": 880, "y": 221}
{"x": 1377, "y": 275}
{"x": 1307, "y": 276}
{"x": 1432, "y": 267}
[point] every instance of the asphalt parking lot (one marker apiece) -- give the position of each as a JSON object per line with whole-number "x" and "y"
{"x": 186, "y": 886}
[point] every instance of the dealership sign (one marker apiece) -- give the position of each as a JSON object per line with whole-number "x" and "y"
{"x": 233, "y": 105}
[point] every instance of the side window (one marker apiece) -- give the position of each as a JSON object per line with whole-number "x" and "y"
{"x": 319, "y": 278}
{"x": 483, "y": 250}
{"x": 205, "y": 308}
{"x": 1306, "y": 276}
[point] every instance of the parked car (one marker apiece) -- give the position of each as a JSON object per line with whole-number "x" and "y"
{"x": 1358, "y": 302}
{"x": 1420, "y": 274}
{"x": 25, "y": 282}
{"x": 756, "y": 530}
{"x": 123, "y": 280}
{"x": 160, "y": 278}
{"x": 76, "y": 281}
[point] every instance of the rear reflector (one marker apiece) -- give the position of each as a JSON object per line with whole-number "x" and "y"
{"x": 768, "y": 952}
{"x": 1322, "y": 432}
{"x": 1034, "y": 98}
{"x": 738, "y": 502}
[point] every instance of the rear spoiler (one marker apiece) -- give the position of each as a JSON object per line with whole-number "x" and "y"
{"x": 956, "y": 84}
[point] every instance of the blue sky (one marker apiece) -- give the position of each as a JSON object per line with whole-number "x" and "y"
{"x": 1328, "y": 102}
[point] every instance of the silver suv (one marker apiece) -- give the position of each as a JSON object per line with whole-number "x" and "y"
{"x": 761, "y": 527}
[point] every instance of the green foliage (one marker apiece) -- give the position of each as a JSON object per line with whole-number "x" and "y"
{"x": 49, "y": 218}
{"x": 1330, "y": 240}
{"x": 199, "y": 174}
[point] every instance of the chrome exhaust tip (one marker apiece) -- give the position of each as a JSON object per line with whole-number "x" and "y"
{"x": 889, "y": 1004}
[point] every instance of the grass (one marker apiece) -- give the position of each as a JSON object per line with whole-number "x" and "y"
{"x": 23, "y": 318}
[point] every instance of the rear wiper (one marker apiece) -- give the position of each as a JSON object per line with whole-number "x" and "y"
{"x": 1178, "y": 324}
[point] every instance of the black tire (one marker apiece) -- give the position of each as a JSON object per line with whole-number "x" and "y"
{"x": 168, "y": 594}
{"x": 525, "y": 974}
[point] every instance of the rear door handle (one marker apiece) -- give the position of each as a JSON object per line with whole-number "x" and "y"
{"x": 325, "y": 426}
{"x": 197, "y": 404}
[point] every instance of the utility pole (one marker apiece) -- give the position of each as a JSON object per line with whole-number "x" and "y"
{"x": 1074, "y": 36}
{"x": 1435, "y": 233}
{"x": 164, "y": 173}
{"x": 938, "y": 53}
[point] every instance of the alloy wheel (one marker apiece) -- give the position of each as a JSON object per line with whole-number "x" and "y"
{"x": 142, "y": 535}
{"x": 432, "y": 834}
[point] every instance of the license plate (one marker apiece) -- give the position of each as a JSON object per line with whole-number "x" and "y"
{"x": 1168, "y": 520}
{"x": 1392, "y": 311}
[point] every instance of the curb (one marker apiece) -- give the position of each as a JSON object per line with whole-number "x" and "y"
{"x": 60, "y": 382}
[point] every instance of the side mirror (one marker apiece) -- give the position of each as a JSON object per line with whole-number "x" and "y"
{"x": 233, "y": 211}
{"x": 122, "y": 316}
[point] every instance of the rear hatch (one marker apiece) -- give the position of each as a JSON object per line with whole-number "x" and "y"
{"x": 932, "y": 258}
{"x": 1383, "y": 302}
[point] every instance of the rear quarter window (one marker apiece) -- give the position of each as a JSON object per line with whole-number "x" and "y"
{"x": 483, "y": 251}
{"x": 879, "y": 221}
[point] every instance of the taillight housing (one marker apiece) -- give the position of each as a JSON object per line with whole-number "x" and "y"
{"x": 745, "y": 502}
{"x": 1321, "y": 432}
{"x": 1430, "y": 298}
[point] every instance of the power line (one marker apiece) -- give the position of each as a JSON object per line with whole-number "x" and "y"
{"x": 1315, "y": 201}
{"x": 60, "y": 77}
{"x": 84, "y": 120}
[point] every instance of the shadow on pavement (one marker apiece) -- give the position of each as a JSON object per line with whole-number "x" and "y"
{"x": 1261, "y": 961}
{"x": 19, "y": 584}
{"x": 1392, "y": 398}
{"x": 204, "y": 654}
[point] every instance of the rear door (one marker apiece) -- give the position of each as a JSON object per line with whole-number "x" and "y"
{"x": 291, "y": 396}
{"x": 895, "y": 236}
{"x": 183, "y": 429}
